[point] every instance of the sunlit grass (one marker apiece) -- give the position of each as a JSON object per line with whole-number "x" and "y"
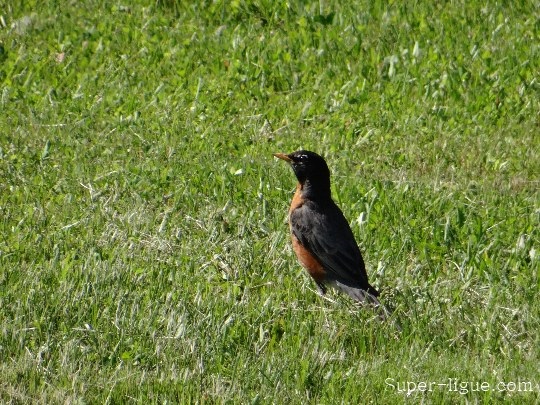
{"x": 145, "y": 253}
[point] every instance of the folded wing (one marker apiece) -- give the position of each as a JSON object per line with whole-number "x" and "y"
{"x": 330, "y": 239}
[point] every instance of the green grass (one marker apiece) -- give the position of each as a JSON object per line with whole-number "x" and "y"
{"x": 144, "y": 251}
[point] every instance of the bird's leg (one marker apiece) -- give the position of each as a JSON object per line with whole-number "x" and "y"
{"x": 321, "y": 288}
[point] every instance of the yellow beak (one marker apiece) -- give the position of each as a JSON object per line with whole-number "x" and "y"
{"x": 283, "y": 156}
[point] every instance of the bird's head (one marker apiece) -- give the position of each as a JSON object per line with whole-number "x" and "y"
{"x": 308, "y": 167}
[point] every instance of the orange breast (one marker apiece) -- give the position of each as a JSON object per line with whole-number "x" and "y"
{"x": 297, "y": 200}
{"x": 306, "y": 259}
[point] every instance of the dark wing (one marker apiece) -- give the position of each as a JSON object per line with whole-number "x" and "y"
{"x": 324, "y": 231}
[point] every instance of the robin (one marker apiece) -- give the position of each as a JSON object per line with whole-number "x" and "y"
{"x": 321, "y": 236}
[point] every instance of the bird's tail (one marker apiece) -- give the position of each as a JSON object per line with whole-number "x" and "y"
{"x": 368, "y": 296}
{"x": 364, "y": 296}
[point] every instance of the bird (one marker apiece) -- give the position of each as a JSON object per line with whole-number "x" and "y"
{"x": 321, "y": 236}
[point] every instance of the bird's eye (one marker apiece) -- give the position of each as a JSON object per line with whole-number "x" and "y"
{"x": 302, "y": 158}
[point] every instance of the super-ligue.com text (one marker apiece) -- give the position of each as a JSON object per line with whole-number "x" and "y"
{"x": 460, "y": 386}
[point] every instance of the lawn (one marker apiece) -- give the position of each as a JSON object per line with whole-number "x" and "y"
{"x": 144, "y": 248}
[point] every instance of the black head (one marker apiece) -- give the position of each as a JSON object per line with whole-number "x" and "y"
{"x": 309, "y": 168}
